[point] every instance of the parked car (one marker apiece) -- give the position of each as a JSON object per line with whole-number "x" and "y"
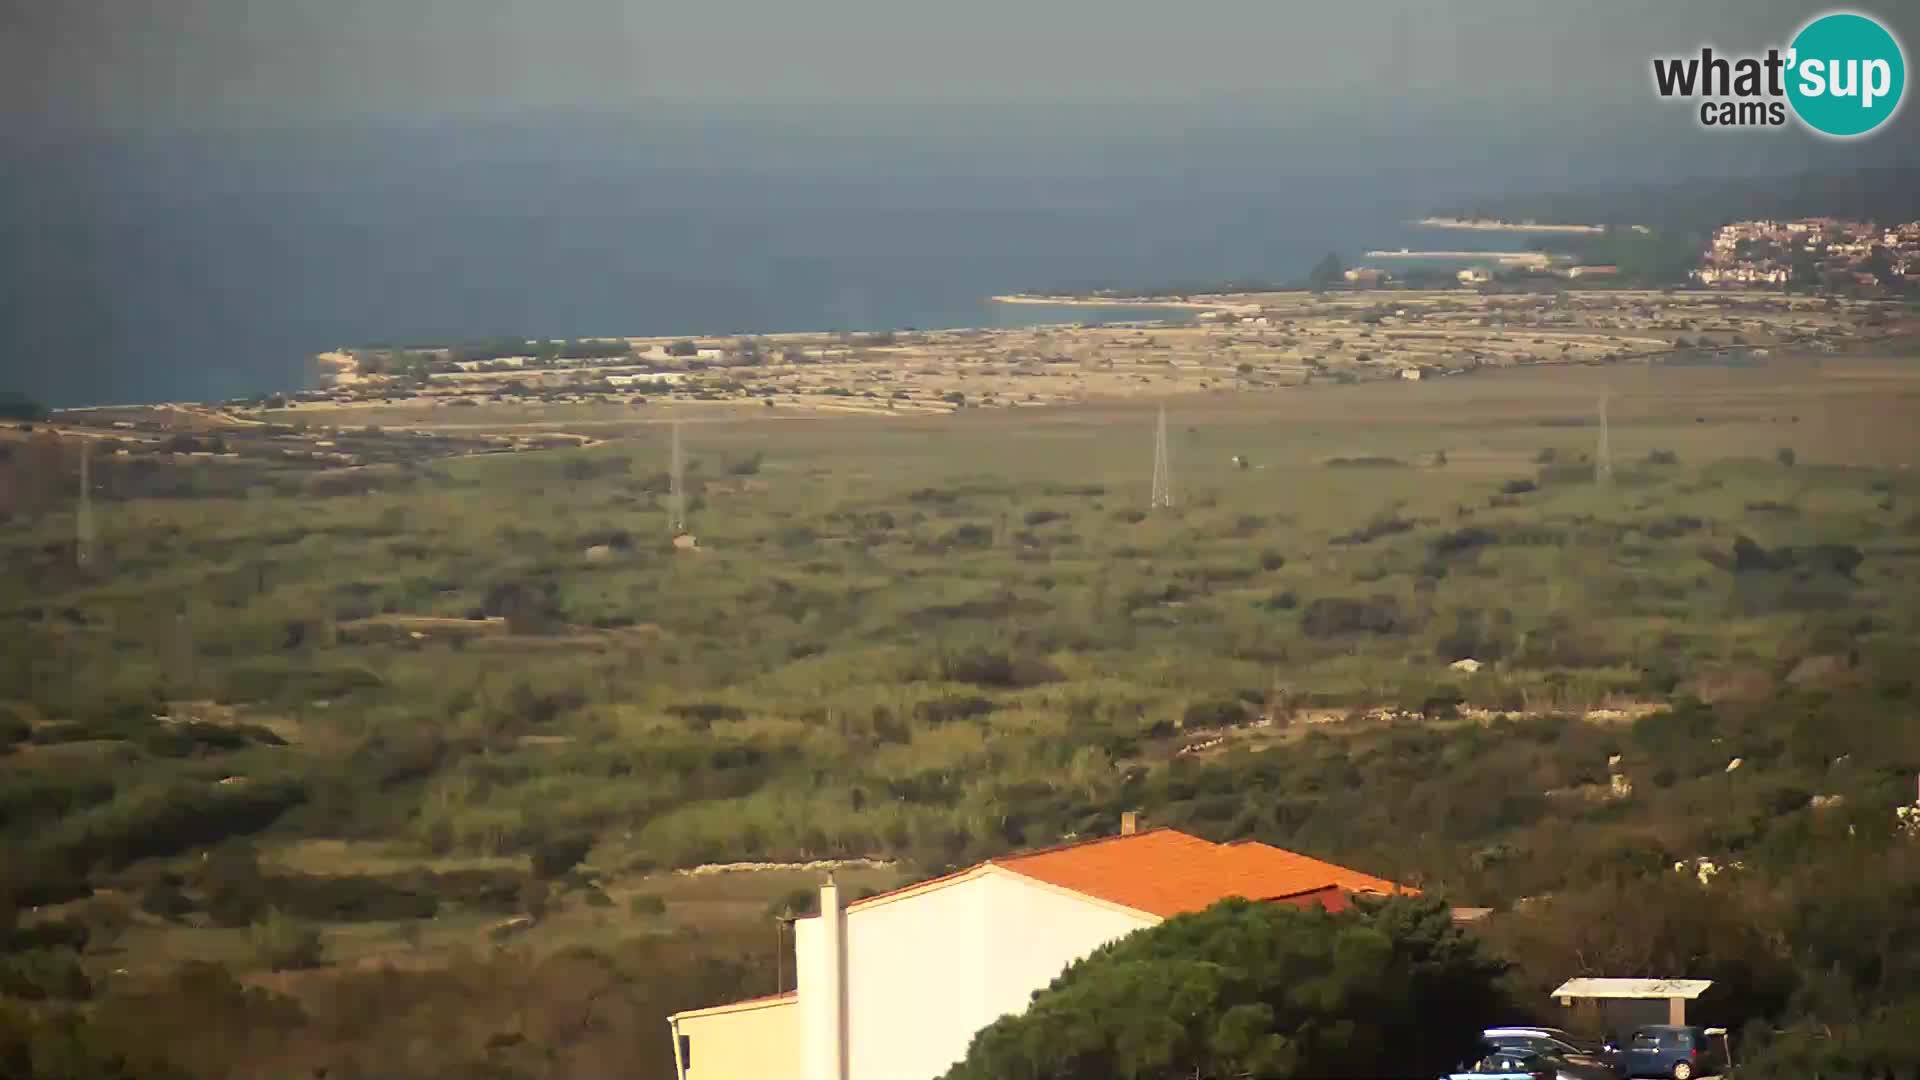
{"x": 1520, "y": 1063}
{"x": 1506, "y": 1065}
{"x": 1667, "y": 1050}
{"x": 1546, "y": 1040}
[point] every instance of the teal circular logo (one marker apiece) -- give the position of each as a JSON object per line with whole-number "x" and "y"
{"x": 1846, "y": 75}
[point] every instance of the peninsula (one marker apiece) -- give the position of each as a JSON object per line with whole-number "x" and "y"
{"x": 1533, "y": 259}
{"x": 1494, "y": 225}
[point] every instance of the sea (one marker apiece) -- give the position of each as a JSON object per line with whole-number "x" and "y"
{"x": 145, "y": 267}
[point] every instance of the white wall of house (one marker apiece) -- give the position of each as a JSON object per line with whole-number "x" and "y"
{"x": 927, "y": 970}
{"x": 1037, "y": 930}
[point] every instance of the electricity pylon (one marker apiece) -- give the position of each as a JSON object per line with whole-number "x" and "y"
{"x": 1162, "y": 467}
{"x": 677, "y": 491}
{"x": 1603, "y": 455}
{"x": 83, "y": 516}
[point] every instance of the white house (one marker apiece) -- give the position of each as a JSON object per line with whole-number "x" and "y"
{"x": 893, "y": 987}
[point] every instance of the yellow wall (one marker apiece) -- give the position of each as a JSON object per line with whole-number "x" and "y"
{"x": 748, "y": 1044}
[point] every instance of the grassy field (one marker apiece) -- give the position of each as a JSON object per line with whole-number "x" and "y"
{"x": 846, "y": 570}
{"x": 930, "y": 639}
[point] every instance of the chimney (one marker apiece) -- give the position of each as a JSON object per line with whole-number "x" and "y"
{"x": 824, "y": 1001}
{"x": 1129, "y": 823}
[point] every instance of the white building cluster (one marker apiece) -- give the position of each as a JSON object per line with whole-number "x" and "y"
{"x": 1824, "y": 250}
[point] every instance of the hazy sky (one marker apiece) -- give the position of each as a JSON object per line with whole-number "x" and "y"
{"x": 168, "y": 63}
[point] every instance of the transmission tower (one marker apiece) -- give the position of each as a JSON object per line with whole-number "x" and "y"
{"x": 1162, "y": 467}
{"x": 677, "y": 491}
{"x": 83, "y": 516}
{"x": 1603, "y": 455}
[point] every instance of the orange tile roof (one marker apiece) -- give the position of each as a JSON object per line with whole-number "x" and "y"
{"x": 1161, "y": 872}
{"x": 1280, "y": 862}
{"x": 1166, "y": 873}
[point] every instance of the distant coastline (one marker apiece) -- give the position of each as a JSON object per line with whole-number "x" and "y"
{"x": 1534, "y": 259}
{"x": 1494, "y": 225}
{"x": 1105, "y": 301}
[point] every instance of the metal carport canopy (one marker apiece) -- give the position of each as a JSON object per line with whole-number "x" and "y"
{"x": 1687, "y": 989}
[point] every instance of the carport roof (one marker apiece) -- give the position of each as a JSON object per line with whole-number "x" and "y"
{"x": 1633, "y": 988}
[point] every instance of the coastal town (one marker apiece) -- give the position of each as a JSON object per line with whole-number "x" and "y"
{"x": 1822, "y": 252}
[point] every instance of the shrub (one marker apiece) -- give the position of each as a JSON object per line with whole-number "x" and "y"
{"x": 235, "y": 890}
{"x": 1475, "y": 635}
{"x": 42, "y": 974}
{"x": 68, "y": 934}
{"x": 1668, "y": 528}
{"x": 106, "y": 919}
{"x": 1333, "y": 616}
{"x": 1222, "y": 993}
{"x": 1386, "y": 525}
{"x": 706, "y": 712}
{"x": 1214, "y": 713}
{"x": 282, "y": 943}
{"x": 170, "y": 820}
{"x": 347, "y": 898}
{"x": 967, "y": 536}
{"x": 298, "y": 681}
{"x": 984, "y": 667}
{"x": 1459, "y": 541}
{"x": 13, "y": 728}
{"x": 948, "y": 709}
{"x": 552, "y": 858}
{"x": 1284, "y": 600}
{"x": 1567, "y": 473}
{"x": 164, "y": 899}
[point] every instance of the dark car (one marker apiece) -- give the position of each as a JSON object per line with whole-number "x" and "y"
{"x": 1667, "y": 1050}
{"x": 1520, "y": 1063}
{"x": 1506, "y": 1065}
{"x": 1545, "y": 1040}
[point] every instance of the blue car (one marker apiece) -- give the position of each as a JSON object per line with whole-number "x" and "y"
{"x": 1667, "y": 1050}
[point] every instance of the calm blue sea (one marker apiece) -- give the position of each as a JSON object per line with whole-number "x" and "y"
{"x": 208, "y": 266}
